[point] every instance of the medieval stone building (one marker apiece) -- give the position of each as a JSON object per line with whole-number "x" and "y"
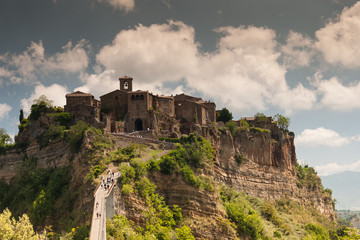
{"x": 83, "y": 106}
{"x": 127, "y": 110}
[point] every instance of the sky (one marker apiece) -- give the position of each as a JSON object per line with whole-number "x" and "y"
{"x": 296, "y": 58}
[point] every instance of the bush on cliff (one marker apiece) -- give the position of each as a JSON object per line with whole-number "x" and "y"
{"x": 35, "y": 190}
{"x": 75, "y": 135}
{"x": 239, "y": 211}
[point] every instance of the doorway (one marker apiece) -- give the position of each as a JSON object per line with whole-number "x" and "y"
{"x": 138, "y": 125}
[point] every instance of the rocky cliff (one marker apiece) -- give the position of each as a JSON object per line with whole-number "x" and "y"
{"x": 260, "y": 163}
{"x": 267, "y": 168}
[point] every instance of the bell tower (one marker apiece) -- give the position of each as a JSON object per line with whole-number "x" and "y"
{"x": 126, "y": 84}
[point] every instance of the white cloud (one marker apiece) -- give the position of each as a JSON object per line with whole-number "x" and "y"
{"x": 334, "y": 95}
{"x": 4, "y": 72}
{"x": 99, "y": 84}
{"x": 126, "y": 5}
{"x": 321, "y": 137}
{"x": 243, "y": 73}
{"x": 158, "y": 53}
{"x": 339, "y": 40}
{"x": 298, "y": 51}
{"x": 4, "y": 110}
{"x": 332, "y": 168}
{"x": 33, "y": 61}
{"x": 72, "y": 59}
{"x": 55, "y": 92}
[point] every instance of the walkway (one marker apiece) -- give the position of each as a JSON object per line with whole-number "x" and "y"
{"x": 128, "y": 137}
{"x": 98, "y": 223}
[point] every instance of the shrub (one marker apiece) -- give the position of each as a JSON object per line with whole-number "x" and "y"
{"x": 262, "y": 130}
{"x": 97, "y": 170}
{"x": 23, "y": 124}
{"x": 246, "y": 220}
{"x": 127, "y": 189}
{"x": 261, "y": 118}
{"x": 188, "y": 176}
{"x": 184, "y": 233}
{"x": 167, "y": 164}
{"x": 316, "y": 232}
{"x": 53, "y": 132}
{"x": 139, "y": 168}
{"x": 153, "y": 165}
{"x": 239, "y": 158}
{"x": 231, "y": 125}
{"x": 270, "y": 214}
{"x": 282, "y": 122}
{"x": 224, "y": 115}
{"x": 144, "y": 187}
{"x": 239, "y": 212}
{"x": 277, "y": 234}
{"x": 127, "y": 174}
{"x": 64, "y": 118}
{"x": 75, "y": 135}
{"x": 307, "y": 177}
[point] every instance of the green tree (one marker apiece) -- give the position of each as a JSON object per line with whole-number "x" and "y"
{"x": 41, "y": 105}
{"x": 11, "y": 228}
{"x": 43, "y": 100}
{"x": 282, "y": 122}
{"x": 4, "y": 138}
{"x": 261, "y": 118}
{"x": 21, "y": 117}
{"x": 224, "y": 115}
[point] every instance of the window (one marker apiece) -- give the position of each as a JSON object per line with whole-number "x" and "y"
{"x": 126, "y": 85}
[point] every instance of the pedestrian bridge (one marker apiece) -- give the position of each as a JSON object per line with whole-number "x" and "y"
{"x": 103, "y": 206}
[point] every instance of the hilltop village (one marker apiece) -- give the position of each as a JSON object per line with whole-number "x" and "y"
{"x": 125, "y": 110}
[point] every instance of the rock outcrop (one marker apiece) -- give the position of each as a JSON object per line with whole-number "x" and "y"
{"x": 267, "y": 168}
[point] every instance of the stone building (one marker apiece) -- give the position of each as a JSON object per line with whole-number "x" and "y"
{"x": 83, "y": 106}
{"x": 127, "y": 110}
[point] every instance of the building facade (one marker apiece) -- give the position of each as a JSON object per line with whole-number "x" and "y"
{"x": 127, "y": 110}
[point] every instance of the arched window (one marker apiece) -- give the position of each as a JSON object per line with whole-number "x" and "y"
{"x": 126, "y": 85}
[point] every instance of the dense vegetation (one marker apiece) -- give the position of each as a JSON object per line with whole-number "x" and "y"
{"x": 39, "y": 192}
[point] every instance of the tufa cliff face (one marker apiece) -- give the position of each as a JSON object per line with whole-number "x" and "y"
{"x": 261, "y": 164}
{"x": 267, "y": 168}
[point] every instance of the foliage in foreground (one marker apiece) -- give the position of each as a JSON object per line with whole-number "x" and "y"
{"x": 10, "y": 228}
{"x": 36, "y": 190}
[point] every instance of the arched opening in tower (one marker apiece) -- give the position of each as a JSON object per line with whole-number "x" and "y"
{"x": 138, "y": 125}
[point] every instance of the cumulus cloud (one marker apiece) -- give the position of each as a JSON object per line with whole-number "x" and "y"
{"x": 126, "y": 5}
{"x": 298, "y": 51}
{"x": 332, "y": 168}
{"x": 25, "y": 66}
{"x": 335, "y": 95}
{"x": 4, "y": 110}
{"x": 321, "y": 137}
{"x": 99, "y": 84}
{"x": 339, "y": 40}
{"x": 72, "y": 59}
{"x": 242, "y": 73}
{"x": 158, "y": 53}
{"x": 55, "y": 92}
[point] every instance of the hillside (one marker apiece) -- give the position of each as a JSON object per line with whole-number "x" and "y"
{"x": 225, "y": 183}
